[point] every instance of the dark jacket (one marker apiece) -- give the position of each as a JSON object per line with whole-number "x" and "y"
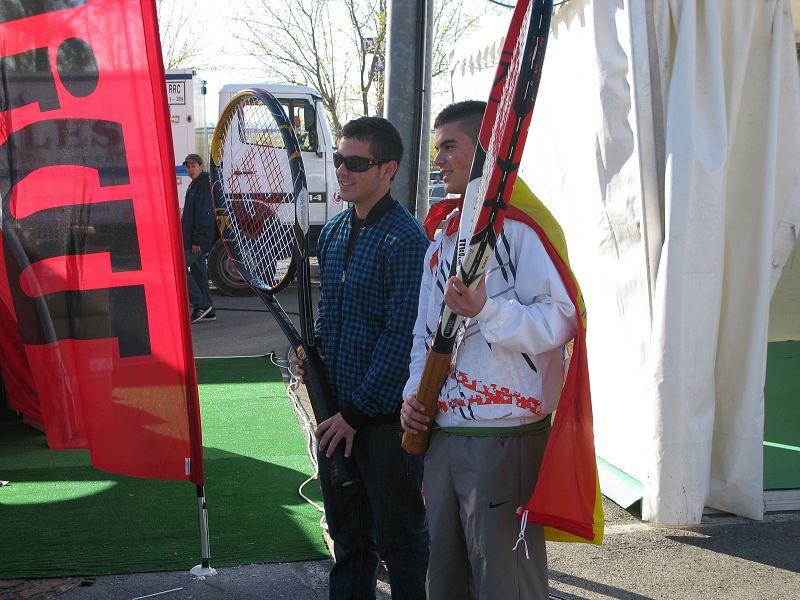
{"x": 367, "y": 309}
{"x": 197, "y": 220}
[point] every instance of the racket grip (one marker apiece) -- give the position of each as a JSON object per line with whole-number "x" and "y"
{"x": 342, "y": 473}
{"x": 437, "y": 367}
{"x": 341, "y": 468}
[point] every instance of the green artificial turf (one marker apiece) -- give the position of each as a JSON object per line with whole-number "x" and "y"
{"x": 60, "y": 516}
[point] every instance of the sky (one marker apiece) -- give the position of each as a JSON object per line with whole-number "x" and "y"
{"x": 225, "y": 59}
{"x": 226, "y": 55}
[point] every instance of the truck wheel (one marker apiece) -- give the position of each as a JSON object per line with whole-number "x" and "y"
{"x": 223, "y": 274}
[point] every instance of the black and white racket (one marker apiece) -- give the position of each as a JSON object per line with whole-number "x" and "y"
{"x": 501, "y": 140}
{"x": 261, "y": 205}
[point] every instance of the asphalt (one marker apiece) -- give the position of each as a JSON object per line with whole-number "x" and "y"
{"x": 725, "y": 557}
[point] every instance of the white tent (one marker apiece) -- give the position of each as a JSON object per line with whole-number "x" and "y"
{"x": 666, "y": 140}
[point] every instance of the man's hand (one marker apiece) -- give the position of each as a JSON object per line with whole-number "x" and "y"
{"x": 462, "y": 300}
{"x": 412, "y": 415}
{"x": 298, "y": 365}
{"x": 331, "y": 431}
{"x": 195, "y": 249}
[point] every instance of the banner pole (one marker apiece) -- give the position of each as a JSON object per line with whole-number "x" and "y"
{"x": 204, "y": 569}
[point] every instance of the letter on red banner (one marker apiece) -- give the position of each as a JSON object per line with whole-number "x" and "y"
{"x": 96, "y": 343}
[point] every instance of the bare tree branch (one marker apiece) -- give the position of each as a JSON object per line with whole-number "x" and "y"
{"x": 338, "y": 46}
{"x": 450, "y": 22}
{"x": 181, "y": 47}
{"x": 294, "y": 41}
{"x": 368, "y": 34}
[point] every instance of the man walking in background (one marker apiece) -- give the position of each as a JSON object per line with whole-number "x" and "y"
{"x": 197, "y": 224}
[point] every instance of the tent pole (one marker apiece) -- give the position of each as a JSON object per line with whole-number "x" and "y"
{"x": 204, "y": 569}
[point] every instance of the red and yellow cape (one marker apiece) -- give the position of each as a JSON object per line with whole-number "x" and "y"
{"x": 566, "y": 500}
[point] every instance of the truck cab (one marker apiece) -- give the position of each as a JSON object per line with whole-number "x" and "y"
{"x": 304, "y": 108}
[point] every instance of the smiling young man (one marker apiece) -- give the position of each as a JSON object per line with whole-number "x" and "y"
{"x": 370, "y": 259}
{"x": 492, "y": 421}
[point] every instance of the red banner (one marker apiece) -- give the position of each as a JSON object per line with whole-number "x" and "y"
{"x": 96, "y": 342}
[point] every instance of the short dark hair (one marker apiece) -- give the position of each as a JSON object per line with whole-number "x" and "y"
{"x": 382, "y": 137}
{"x": 468, "y": 114}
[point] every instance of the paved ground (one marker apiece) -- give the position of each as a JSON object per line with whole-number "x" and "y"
{"x": 725, "y": 558}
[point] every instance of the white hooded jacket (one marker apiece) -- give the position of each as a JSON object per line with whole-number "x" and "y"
{"x": 508, "y": 366}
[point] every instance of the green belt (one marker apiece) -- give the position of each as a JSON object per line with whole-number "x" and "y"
{"x": 517, "y": 431}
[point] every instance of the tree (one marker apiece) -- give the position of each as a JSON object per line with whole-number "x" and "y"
{"x": 451, "y": 20}
{"x": 180, "y": 45}
{"x": 296, "y": 41}
{"x": 369, "y": 38}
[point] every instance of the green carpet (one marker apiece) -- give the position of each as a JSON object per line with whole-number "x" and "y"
{"x": 60, "y": 516}
{"x": 782, "y": 417}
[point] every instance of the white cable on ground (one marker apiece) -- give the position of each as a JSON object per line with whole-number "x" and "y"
{"x": 307, "y": 428}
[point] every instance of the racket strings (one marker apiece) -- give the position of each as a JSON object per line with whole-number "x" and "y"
{"x": 504, "y": 109}
{"x": 258, "y": 193}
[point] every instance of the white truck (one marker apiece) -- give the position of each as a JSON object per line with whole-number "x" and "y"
{"x": 303, "y": 106}
{"x": 186, "y": 95}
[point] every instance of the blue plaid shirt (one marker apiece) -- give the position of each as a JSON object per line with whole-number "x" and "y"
{"x": 367, "y": 309}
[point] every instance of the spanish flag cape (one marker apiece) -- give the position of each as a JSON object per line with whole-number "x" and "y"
{"x": 566, "y": 499}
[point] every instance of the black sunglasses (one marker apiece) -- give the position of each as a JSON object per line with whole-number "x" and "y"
{"x": 356, "y": 164}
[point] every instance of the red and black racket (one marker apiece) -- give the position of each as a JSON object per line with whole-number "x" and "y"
{"x": 501, "y": 140}
{"x": 261, "y": 206}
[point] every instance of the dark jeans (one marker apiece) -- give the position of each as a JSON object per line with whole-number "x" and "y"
{"x": 197, "y": 278}
{"x": 380, "y": 517}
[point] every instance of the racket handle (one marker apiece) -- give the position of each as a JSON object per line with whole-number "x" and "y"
{"x": 341, "y": 469}
{"x": 342, "y": 473}
{"x": 437, "y": 367}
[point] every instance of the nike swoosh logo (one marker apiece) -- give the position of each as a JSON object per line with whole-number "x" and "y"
{"x": 493, "y": 505}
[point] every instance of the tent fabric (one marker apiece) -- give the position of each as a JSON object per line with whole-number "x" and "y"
{"x": 92, "y": 285}
{"x": 732, "y": 138}
{"x": 665, "y": 141}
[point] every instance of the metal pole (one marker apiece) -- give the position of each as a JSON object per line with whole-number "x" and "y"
{"x": 204, "y": 569}
{"x": 408, "y": 98}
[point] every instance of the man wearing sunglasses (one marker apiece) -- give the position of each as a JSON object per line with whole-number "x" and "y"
{"x": 370, "y": 259}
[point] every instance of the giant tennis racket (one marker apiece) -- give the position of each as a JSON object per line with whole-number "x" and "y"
{"x": 501, "y": 140}
{"x": 261, "y": 204}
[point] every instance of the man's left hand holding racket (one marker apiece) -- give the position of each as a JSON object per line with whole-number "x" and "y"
{"x": 334, "y": 429}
